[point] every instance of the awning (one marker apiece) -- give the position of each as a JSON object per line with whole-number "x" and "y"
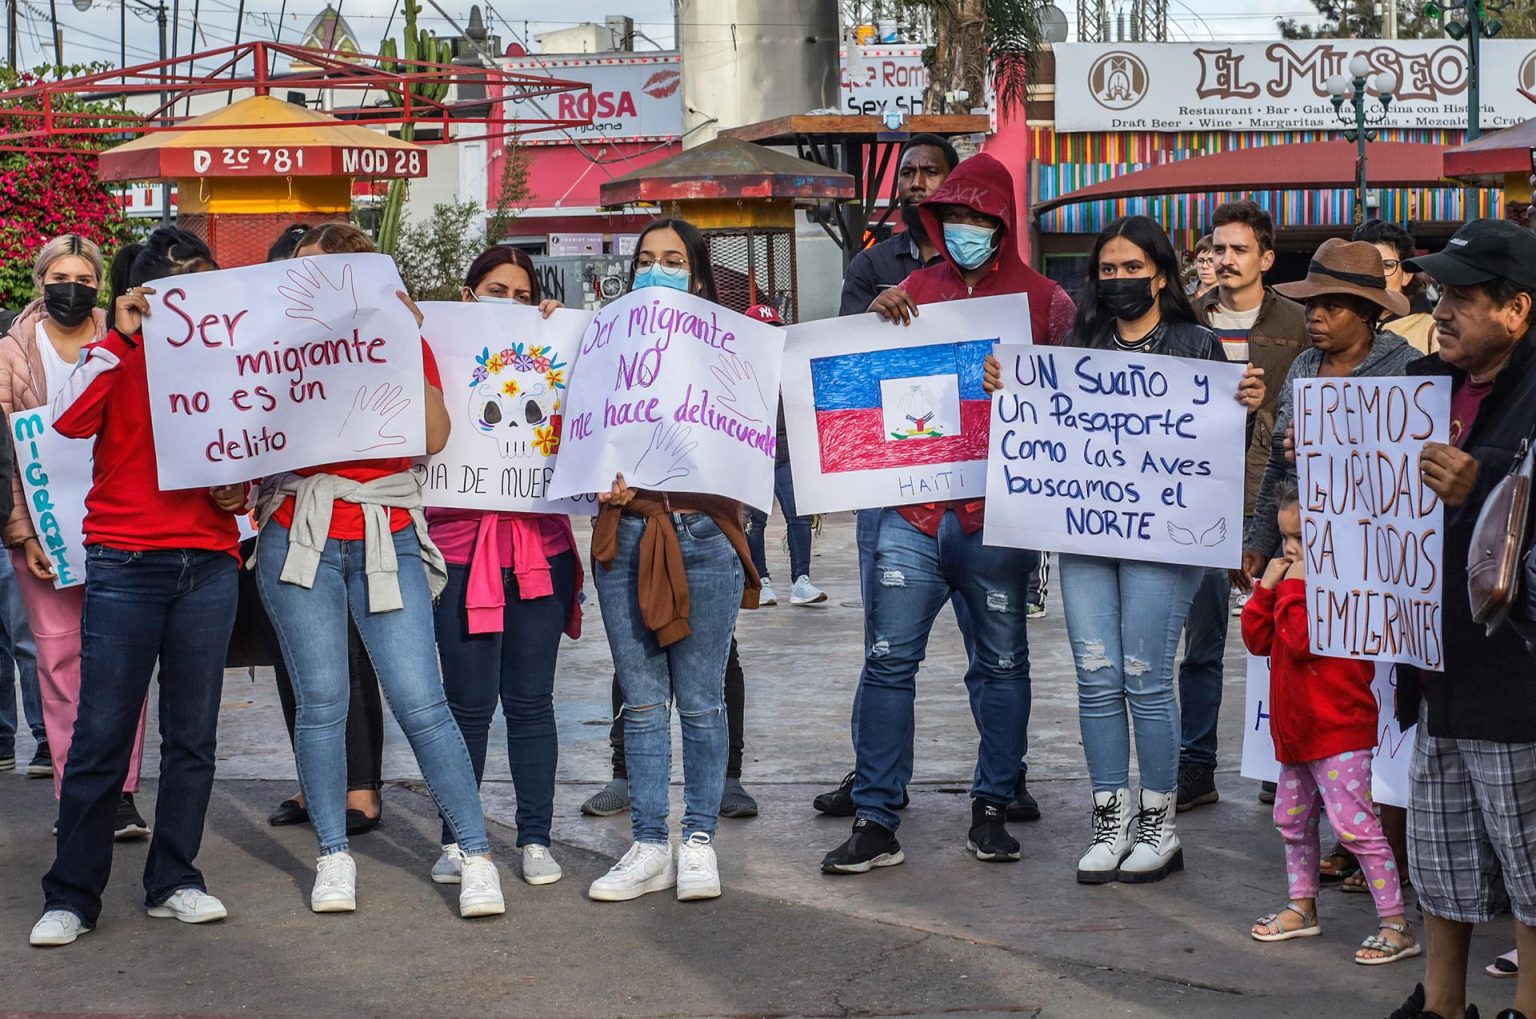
{"x": 1493, "y": 157}
{"x": 1313, "y": 165}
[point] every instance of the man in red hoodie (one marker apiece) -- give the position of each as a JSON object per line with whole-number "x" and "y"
{"x": 926, "y": 553}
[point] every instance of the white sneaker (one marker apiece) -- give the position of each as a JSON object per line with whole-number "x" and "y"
{"x": 539, "y": 867}
{"x": 765, "y": 595}
{"x": 480, "y": 888}
{"x": 1111, "y": 838}
{"x": 449, "y": 865}
{"x": 57, "y": 927}
{"x": 1237, "y": 606}
{"x": 335, "y": 888}
{"x": 647, "y": 867}
{"x": 190, "y": 905}
{"x": 1157, "y": 853}
{"x": 698, "y": 874}
{"x": 806, "y": 593}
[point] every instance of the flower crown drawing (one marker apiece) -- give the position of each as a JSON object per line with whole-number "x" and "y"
{"x": 515, "y": 398}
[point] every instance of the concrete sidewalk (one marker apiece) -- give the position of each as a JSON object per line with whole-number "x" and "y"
{"x": 942, "y": 934}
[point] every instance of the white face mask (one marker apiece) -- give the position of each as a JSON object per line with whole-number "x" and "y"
{"x": 494, "y": 300}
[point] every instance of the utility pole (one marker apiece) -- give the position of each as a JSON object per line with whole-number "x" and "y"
{"x": 10, "y": 33}
{"x": 1389, "y": 22}
{"x": 1481, "y": 23}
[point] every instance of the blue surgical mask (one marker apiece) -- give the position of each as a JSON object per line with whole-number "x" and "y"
{"x": 658, "y": 275}
{"x": 970, "y": 246}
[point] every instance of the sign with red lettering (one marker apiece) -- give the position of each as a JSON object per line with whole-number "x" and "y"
{"x": 264, "y": 369}
{"x": 1371, "y": 529}
{"x": 632, "y": 98}
{"x": 885, "y": 79}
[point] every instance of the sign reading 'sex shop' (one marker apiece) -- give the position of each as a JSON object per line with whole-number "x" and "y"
{"x": 1282, "y": 86}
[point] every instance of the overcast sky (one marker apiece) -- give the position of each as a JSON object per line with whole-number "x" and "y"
{"x": 93, "y": 34}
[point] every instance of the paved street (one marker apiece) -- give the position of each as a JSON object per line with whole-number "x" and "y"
{"x": 941, "y": 935}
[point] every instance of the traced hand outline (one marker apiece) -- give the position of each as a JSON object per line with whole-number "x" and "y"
{"x": 313, "y": 296}
{"x": 663, "y": 459}
{"x": 740, "y": 391}
{"x": 375, "y": 412}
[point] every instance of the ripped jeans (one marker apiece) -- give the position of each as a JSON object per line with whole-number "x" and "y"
{"x": 690, "y": 672}
{"x": 1124, "y": 619}
{"x": 914, "y": 574}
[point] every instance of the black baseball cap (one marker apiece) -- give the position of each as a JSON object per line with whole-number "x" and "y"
{"x": 1483, "y": 250}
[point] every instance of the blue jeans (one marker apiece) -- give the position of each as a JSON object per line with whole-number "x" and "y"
{"x": 1205, "y": 645}
{"x": 18, "y": 658}
{"x": 799, "y": 529}
{"x": 690, "y": 672}
{"x": 1124, "y": 620}
{"x": 311, "y": 625}
{"x": 176, "y": 608}
{"x": 915, "y": 574}
{"x": 517, "y": 668}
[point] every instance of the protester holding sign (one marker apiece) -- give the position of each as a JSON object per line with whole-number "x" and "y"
{"x": 160, "y": 591}
{"x": 672, "y": 569}
{"x": 1322, "y": 717}
{"x": 349, "y": 539}
{"x": 1124, "y": 615}
{"x": 513, "y": 579}
{"x": 36, "y": 356}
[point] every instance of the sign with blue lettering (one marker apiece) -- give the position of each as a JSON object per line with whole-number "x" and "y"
{"x": 55, "y": 477}
{"x": 1122, "y": 455}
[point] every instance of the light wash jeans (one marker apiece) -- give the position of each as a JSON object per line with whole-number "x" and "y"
{"x": 18, "y": 660}
{"x": 690, "y": 672}
{"x": 311, "y": 625}
{"x": 1124, "y": 619}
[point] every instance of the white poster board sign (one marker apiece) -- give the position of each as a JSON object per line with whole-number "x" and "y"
{"x": 55, "y": 476}
{"x": 505, "y": 371}
{"x": 1371, "y": 528}
{"x": 1129, "y": 456}
{"x": 678, "y": 395}
{"x": 1394, "y": 747}
{"x": 879, "y": 414}
{"x": 264, "y": 369}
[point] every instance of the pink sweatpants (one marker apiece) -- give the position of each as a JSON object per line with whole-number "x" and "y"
{"x": 1342, "y": 785}
{"x": 54, "y": 615}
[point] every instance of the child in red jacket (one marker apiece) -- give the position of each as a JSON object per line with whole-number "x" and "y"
{"x": 1323, "y": 719}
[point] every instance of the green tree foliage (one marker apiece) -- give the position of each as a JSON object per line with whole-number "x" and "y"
{"x": 434, "y": 252}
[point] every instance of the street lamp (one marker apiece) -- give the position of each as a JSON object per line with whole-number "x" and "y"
{"x": 1351, "y": 89}
{"x": 1473, "y": 21}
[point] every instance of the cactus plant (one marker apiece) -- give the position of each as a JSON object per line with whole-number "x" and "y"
{"x": 420, "y": 47}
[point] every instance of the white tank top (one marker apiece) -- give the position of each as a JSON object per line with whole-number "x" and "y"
{"x": 56, "y": 370}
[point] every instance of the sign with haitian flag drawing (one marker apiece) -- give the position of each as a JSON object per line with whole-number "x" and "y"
{"x": 880, "y": 414}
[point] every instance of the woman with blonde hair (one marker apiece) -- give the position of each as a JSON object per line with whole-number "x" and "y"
{"x": 37, "y": 356}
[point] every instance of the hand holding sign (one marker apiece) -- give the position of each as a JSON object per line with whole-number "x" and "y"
{"x": 128, "y": 315}
{"x": 314, "y": 297}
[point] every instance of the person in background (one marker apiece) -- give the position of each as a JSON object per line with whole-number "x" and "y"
{"x": 37, "y": 355}
{"x": 18, "y": 653}
{"x": 1398, "y": 246}
{"x": 1205, "y": 268}
{"x": 1256, "y": 326}
{"x": 513, "y": 586}
{"x": 160, "y": 595}
{"x": 803, "y": 592}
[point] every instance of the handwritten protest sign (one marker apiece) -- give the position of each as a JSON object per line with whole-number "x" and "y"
{"x": 1371, "y": 528}
{"x": 264, "y": 369}
{"x": 55, "y": 477}
{"x": 678, "y": 395}
{"x": 1130, "y": 456}
{"x": 885, "y": 415}
{"x": 1394, "y": 747}
{"x": 505, "y": 371}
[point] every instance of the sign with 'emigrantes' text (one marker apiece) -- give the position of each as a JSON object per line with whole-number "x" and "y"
{"x": 1372, "y": 531}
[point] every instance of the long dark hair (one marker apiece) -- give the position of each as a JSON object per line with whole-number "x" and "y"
{"x": 498, "y": 255}
{"x": 287, "y": 242}
{"x": 694, "y": 245}
{"x": 1093, "y": 323}
{"x": 167, "y": 251}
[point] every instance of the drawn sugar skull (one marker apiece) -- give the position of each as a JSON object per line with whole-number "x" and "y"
{"x": 514, "y": 400}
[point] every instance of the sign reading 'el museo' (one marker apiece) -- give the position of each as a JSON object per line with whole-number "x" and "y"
{"x": 1282, "y": 86}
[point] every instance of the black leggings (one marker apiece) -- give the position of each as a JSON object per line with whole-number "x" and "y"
{"x": 735, "y": 709}
{"x": 365, "y": 713}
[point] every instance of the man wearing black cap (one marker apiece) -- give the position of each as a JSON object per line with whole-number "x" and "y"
{"x": 1472, "y": 809}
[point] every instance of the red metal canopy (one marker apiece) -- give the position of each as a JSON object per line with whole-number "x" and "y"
{"x": 728, "y": 168}
{"x": 1488, "y": 159}
{"x": 1313, "y": 165}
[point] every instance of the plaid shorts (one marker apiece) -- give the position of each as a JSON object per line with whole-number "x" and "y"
{"x": 1472, "y": 828}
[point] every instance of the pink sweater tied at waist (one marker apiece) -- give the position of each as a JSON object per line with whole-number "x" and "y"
{"x": 485, "y": 599}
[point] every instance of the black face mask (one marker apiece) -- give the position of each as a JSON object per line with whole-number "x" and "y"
{"x": 1127, "y": 297}
{"x": 69, "y": 304}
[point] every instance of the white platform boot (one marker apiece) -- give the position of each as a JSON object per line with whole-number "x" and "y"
{"x": 1157, "y": 853}
{"x": 1111, "y": 838}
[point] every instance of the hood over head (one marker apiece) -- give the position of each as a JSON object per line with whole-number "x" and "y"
{"x": 981, "y": 183}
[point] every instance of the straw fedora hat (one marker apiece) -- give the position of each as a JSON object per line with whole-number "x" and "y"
{"x": 1347, "y": 267}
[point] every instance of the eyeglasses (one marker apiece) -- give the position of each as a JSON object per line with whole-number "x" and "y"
{"x": 671, "y": 264}
{"x": 1390, "y": 265}
{"x": 1205, "y": 260}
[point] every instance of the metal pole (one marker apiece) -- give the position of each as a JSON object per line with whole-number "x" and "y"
{"x": 11, "y": 51}
{"x": 1474, "y": 43}
{"x": 1360, "y": 167}
{"x": 165, "y": 187}
{"x": 122, "y": 34}
{"x": 1389, "y": 27}
{"x": 58, "y": 49}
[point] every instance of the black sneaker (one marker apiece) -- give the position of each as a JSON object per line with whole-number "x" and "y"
{"x": 871, "y": 845}
{"x": 839, "y": 802}
{"x": 1197, "y": 786}
{"x": 8, "y": 760}
{"x": 988, "y": 839}
{"x": 1267, "y": 795}
{"x": 1024, "y": 806}
{"x": 129, "y": 824}
{"x": 41, "y": 765}
{"x": 1413, "y": 1008}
